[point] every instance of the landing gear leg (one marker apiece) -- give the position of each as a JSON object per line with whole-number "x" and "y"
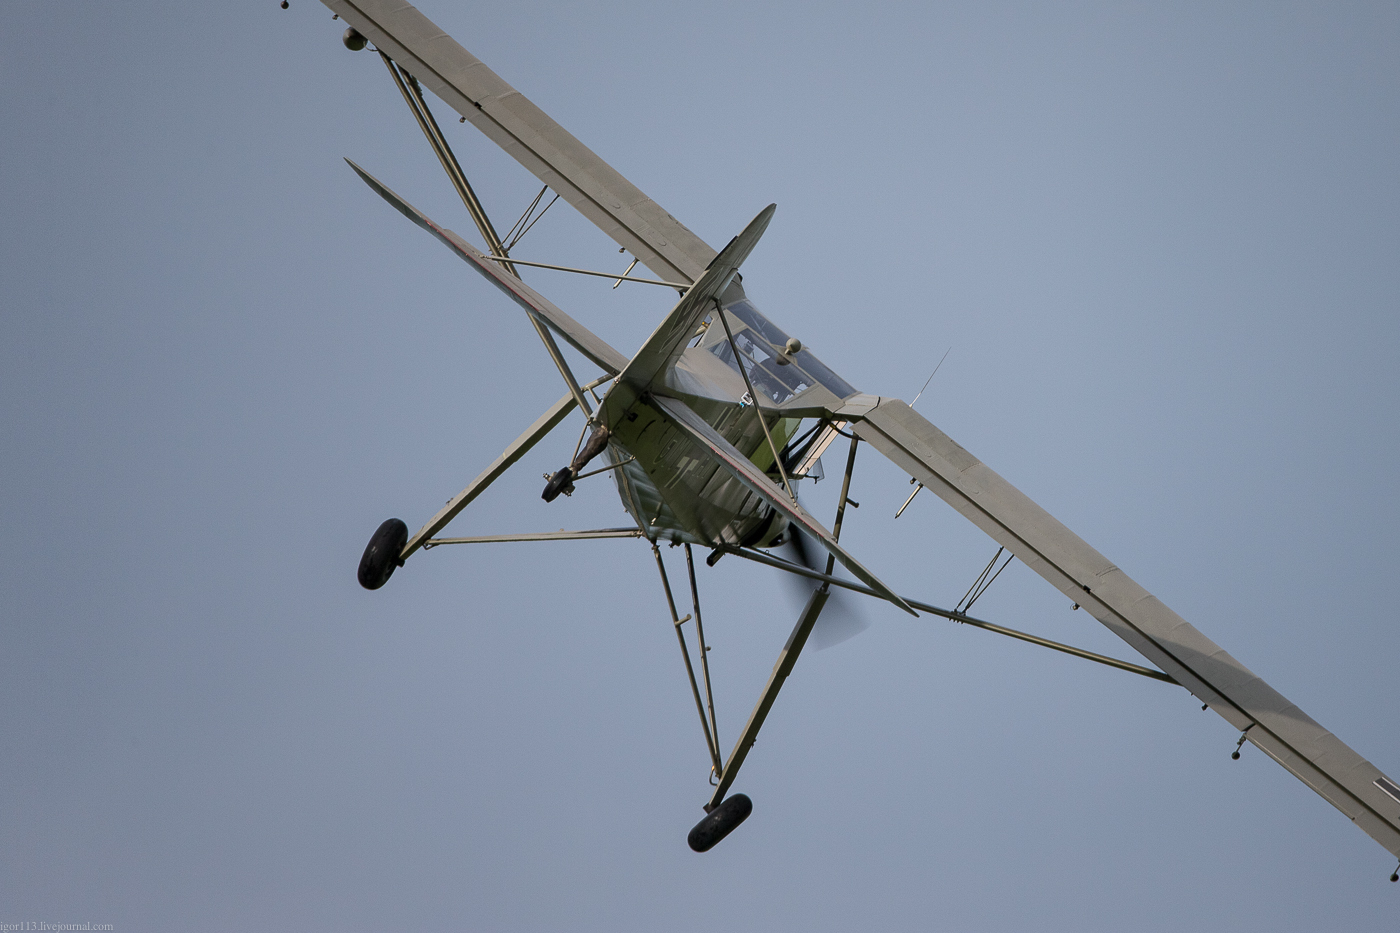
{"x": 676, "y": 622}
{"x": 786, "y": 660}
{"x": 724, "y": 815}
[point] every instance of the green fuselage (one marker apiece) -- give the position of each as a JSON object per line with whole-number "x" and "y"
{"x": 674, "y": 491}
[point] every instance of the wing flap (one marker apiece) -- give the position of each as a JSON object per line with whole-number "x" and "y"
{"x": 546, "y": 149}
{"x": 1275, "y": 725}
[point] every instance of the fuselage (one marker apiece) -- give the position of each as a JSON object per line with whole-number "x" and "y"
{"x": 673, "y": 491}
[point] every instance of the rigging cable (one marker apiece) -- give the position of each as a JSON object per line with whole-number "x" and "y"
{"x": 981, "y": 584}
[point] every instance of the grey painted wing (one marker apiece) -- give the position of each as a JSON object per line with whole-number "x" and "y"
{"x": 579, "y": 337}
{"x": 550, "y": 152}
{"x": 1314, "y": 755}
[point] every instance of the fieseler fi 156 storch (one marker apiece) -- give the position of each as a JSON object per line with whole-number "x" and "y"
{"x": 709, "y": 428}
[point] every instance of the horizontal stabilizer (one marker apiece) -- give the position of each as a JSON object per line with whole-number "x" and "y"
{"x": 729, "y": 457}
{"x": 575, "y": 334}
{"x": 668, "y": 341}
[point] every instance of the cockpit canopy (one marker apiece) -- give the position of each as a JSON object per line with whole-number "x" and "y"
{"x": 762, "y": 344}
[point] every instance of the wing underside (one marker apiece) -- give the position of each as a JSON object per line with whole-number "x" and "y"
{"x": 1283, "y": 731}
{"x": 546, "y": 149}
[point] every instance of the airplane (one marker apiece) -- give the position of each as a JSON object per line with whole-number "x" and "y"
{"x": 707, "y": 431}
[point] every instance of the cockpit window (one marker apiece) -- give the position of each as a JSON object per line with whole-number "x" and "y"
{"x": 779, "y": 383}
{"x": 760, "y": 342}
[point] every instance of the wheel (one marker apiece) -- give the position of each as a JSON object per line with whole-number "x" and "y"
{"x": 720, "y": 822}
{"x": 382, "y": 554}
{"x": 559, "y": 482}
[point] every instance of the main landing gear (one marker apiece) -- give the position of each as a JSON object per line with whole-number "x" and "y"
{"x": 563, "y": 481}
{"x": 720, "y": 822}
{"x": 382, "y": 554}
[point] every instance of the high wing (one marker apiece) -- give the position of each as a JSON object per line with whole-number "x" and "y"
{"x": 551, "y": 153}
{"x": 1315, "y": 756}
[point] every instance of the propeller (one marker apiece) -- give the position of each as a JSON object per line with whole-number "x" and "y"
{"x": 839, "y": 620}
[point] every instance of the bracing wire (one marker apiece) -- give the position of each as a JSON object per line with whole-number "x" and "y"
{"x": 528, "y": 211}
{"x": 978, "y": 595}
{"x": 980, "y": 577}
{"x": 984, "y": 580}
{"x": 516, "y": 239}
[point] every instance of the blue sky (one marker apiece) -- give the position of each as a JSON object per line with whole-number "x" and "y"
{"x": 1161, "y": 244}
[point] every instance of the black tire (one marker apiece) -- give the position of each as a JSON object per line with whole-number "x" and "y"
{"x": 382, "y": 554}
{"x": 558, "y": 483}
{"x": 720, "y": 822}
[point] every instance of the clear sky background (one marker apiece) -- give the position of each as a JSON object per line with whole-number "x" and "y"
{"x": 1162, "y": 242}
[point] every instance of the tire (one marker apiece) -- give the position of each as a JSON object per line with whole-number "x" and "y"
{"x": 720, "y": 822}
{"x": 382, "y": 554}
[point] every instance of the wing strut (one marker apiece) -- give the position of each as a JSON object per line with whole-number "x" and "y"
{"x": 553, "y": 155}
{"x": 413, "y": 96}
{"x": 787, "y": 658}
{"x": 711, "y": 742}
{"x": 518, "y": 448}
{"x": 1275, "y": 725}
{"x": 962, "y": 618}
{"x": 757, "y": 408}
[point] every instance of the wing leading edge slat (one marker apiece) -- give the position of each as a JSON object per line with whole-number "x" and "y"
{"x": 597, "y": 190}
{"x": 1278, "y": 727}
